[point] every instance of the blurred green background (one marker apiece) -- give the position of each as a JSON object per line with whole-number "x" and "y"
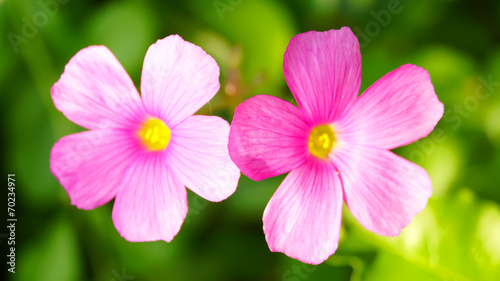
{"x": 457, "y": 237}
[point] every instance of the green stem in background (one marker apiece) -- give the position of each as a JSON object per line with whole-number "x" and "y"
{"x": 354, "y": 262}
{"x": 34, "y": 54}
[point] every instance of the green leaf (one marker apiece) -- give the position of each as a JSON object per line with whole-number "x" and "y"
{"x": 454, "y": 238}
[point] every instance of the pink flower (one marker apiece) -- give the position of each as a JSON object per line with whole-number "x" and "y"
{"x": 144, "y": 149}
{"x": 336, "y": 145}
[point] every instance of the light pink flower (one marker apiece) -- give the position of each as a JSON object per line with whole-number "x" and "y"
{"x": 145, "y": 149}
{"x": 336, "y": 145}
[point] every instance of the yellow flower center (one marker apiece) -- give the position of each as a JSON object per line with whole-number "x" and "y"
{"x": 321, "y": 141}
{"x": 154, "y": 134}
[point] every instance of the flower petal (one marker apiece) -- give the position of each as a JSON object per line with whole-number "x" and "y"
{"x": 398, "y": 109}
{"x": 198, "y": 155}
{"x": 152, "y": 202}
{"x": 268, "y": 137}
{"x": 178, "y": 78}
{"x": 383, "y": 191}
{"x": 323, "y": 71}
{"x": 90, "y": 165}
{"x": 302, "y": 219}
{"x": 95, "y": 91}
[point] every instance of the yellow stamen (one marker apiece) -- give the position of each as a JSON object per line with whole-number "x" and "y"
{"x": 321, "y": 141}
{"x": 154, "y": 134}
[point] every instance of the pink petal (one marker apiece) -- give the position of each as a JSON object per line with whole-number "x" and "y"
{"x": 91, "y": 165}
{"x": 268, "y": 137}
{"x": 152, "y": 202}
{"x": 95, "y": 92}
{"x": 178, "y": 78}
{"x": 323, "y": 71}
{"x": 302, "y": 219}
{"x": 198, "y": 155}
{"x": 383, "y": 191}
{"x": 398, "y": 109}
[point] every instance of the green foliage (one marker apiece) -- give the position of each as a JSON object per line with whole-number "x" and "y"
{"x": 454, "y": 238}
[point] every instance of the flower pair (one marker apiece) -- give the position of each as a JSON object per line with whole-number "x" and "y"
{"x": 143, "y": 150}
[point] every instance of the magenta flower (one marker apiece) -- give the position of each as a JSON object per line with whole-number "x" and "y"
{"x": 144, "y": 149}
{"x": 336, "y": 145}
